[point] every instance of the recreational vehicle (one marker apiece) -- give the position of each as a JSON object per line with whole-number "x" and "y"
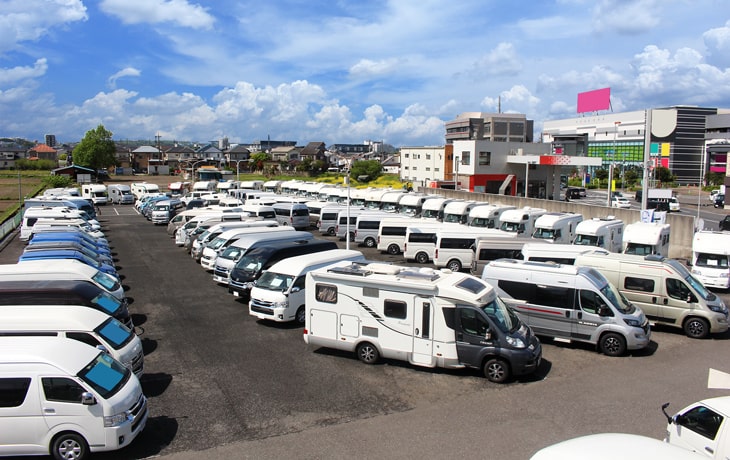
{"x": 433, "y": 209}
{"x": 602, "y": 232}
{"x": 644, "y": 238}
{"x": 710, "y": 261}
{"x": 520, "y": 220}
{"x": 457, "y": 212}
{"x": 556, "y": 227}
{"x": 487, "y": 216}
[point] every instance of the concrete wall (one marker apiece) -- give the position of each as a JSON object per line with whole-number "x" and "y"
{"x": 682, "y": 226}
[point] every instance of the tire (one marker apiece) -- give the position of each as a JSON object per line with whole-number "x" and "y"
{"x": 367, "y": 353}
{"x": 393, "y": 249}
{"x": 301, "y": 316}
{"x": 454, "y": 265}
{"x": 612, "y": 344}
{"x": 352, "y": 237}
{"x": 696, "y": 328}
{"x": 496, "y": 370}
{"x": 422, "y": 258}
{"x": 370, "y": 242}
{"x": 331, "y": 231}
{"x": 69, "y": 446}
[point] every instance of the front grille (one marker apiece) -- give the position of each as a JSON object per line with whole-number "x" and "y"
{"x": 138, "y": 363}
{"x": 138, "y": 411}
{"x": 260, "y": 309}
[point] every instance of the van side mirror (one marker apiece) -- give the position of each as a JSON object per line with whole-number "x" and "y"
{"x": 295, "y": 289}
{"x": 87, "y": 399}
{"x": 603, "y": 310}
{"x": 488, "y": 335}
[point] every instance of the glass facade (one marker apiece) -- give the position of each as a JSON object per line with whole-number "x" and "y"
{"x": 618, "y": 152}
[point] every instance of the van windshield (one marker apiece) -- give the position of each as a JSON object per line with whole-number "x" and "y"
{"x": 513, "y": 227}
{"x": 586, "y": 240}
{"x": 275, "y": 281}
{"x": 544, "y": 233}
{"x": 501, "y": 315}
{"x": 105, "y": 374}
{"x": 232, "y": 253}
{"x": 107, "y": 281}
{"x": 699, "y": 288}
{"x": 115, "y": 333}
{"x": 107, "y": 302}
{"x": 617, "y": 299}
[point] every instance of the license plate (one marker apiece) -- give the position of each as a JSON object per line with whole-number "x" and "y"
{"x": 236, "y": 294}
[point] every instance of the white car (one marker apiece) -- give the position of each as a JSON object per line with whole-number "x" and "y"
{"x": 673, "y": 204}
{"x": 620, "y": 202}
{"x": 713, "y": 194}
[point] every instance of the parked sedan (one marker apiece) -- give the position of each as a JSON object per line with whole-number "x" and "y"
{"x": 620, "y": 202}
{"x": 725, "y": 223}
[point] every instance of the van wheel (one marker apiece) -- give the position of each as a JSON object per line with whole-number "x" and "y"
{"x": 367, "y": 353}
{"x": 301, "y": 315}
{"x": 331, "y": 231}
{"x": 393, "y": 249}
{"x": 369, "y": 242}
{"x": 422, "y": 258}
{"x": 612, "y": 344}
{"x": 696, "y": 328}
{"x": 69, "y": 446}
{"x": 496, "y": 370}
{"x": 454, "y": 265}
{"x": 352, "y": 237}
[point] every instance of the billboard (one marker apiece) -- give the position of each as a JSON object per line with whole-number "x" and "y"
{"x": 592, "y": 101}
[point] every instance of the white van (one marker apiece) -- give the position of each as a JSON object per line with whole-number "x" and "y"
{"x": 457, "y": 212}
{"x": 520, "y": 220}
{"x": 433, "y": 209}
{"x": 49, "y": 223}
{"x": 664, "y": 289}
{"x": 411, "y": 204}
{"x": 392, "y": 233}
{"x": 196, "y": 250}
{"x": 373, "y": 197}
{"x": 327, "y": 222}
{"x": 710, "y": 258}
{"x": 227, "y": 259}
{"x": 455, "y": 249}
{"x": 292, "y": 214}
{"x": 224, "y": 239}
{"x": 96, "y": 193}
{"x": 390, "y": 202}
{"x": 570, "y": 303}
{"x": 556, "y": 227}
{"x": 279, "y": 293}
{"x": 489, "y": 248}
{"x": 644, "y": 238}
{"x": 602, "y": 232}
{"x": 426, "y": 317}
{"x": 66, "y": 398}
{"x": 92, "y": 327}
{"x": 558, "y": 253}
{"x": 346, "y": 226}
{"x": 487, "y": 216}
{"x": 367, "y": 225}
{"x": 420, "y": 242}
{"x": 31, "y": 216}
{"x": 143, "y": 188}
{"x": 120, "y": 194}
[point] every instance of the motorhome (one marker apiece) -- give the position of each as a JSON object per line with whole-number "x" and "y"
{"x": 556, "y": 227}
{"x": 205, "y": 186}
{"x": 520, "y": 220}
{"x": 61, "y": 192}
{"x": 120, "y": 194}
{"x": 487, "y": 216}
{"x": 644, "y": 238}
{"x": 75, "y": 322}
{"x": 143, "y": 188}
{"x": 252, "y": 184}
{"x": 390, "y": 202}
{"x": 178, "y": 188}
{"x": 457, "y": 212}
{"x": 570, "y": 303}
{"x": 272, "y": 186}
{"x": 66, "y": 398}
{"x": 411, "y": 204}
{"x": 227, "y": 259}
{"x": 558, "y": 253}
{"x": 373, "y": 198}
{"x": 711, "y": 258}
{"x": 455, "y": 248}
{"x": 489, "y": 248}
{"x": 392, "y": 233}
{"x": 358, "y": 196}
{"x": 217, "y": 245}
{"x": 433, "y": 209}
{"x": 96, "y": 193}
{"x": 423, "y": 316}
{"x": 367, "y": 225}
{"x": 602, "y": 232}
{"x": 664, "y": 289}
{"x": 280, "y": 292}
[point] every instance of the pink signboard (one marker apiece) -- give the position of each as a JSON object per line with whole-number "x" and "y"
{"x": 592, "y": 101}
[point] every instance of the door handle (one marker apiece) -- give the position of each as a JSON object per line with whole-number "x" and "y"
{"x": 567, "y": 314}
{"x": 666, "y": 301}
{"x": 653, "y": 299}
{"x": 710, "y": 449}
{"x": 48, "y": 410}
{"x": 416, "y": 331}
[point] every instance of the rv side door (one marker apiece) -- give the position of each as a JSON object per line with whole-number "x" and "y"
{"x": 472, "y": 335}
{"x": 423, "y": 333}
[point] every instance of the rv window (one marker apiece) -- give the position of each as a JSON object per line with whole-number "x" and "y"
{"x": 554, "y": 296}
{"x": 395, "y": 309}
{"x": 326, "y": 293}
{"x": 471, "y": 323}
{"x": 13, "y": 391}
{"x": 711, "y": 260}
{"x": 426, "y": 320}
{"x": 62, "y": 389}
{"x": 472, "y": 285}
{"x": 638, "y": 284}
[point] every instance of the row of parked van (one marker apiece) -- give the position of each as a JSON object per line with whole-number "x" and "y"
{"x": 70, "y": 361}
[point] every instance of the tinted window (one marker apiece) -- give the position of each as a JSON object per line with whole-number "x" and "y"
{"x": 422, "y": 238}
{"x": 393, "y": 231}
{"x": 638, "y": 284}
{"x": 456, "y": 243}
{"x": 326, "y": 293}
{"x": 369, "y": 225}
{"x": 62, "y": 389}
{"x": 13, "y": 391}
{"x": 494, "y": 254}
{"x": 394, "y": 309}
{"x": 702, "y": 421}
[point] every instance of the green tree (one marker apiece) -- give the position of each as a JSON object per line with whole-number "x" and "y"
{"x": 664, "y": 175}
{"x": 96, "y": 150}
{"x": 631, "y": 176}
{"x": 366, "y": 170}
{"x": 600, "y": 174}
{"x": 258, "y": 160}
{"x": 715, "y": 178}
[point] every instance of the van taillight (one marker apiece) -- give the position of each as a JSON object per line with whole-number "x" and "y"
{"x": 436, "y": 254}
{"x": 378, "y": 239}
{"x": 305, "y": 332}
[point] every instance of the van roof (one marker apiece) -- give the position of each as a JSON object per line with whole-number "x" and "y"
{"x": 66, "y": 354}
{"x": 523, "y": 265}
{"x": 551, "y": 218}
{"x": 246, "y": 241}
{"x": 42, "y": 266}
{"x": 297, "y": 264}
{"x": 50, "y": 318}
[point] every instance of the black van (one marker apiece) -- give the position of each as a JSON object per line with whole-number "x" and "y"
{"x": 64, "y": 292}
{"x": 249, "y": 267}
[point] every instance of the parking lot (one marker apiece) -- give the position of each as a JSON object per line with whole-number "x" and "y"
{"x": 221, "y": 383}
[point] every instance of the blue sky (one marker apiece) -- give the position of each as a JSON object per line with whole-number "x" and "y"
{"x": 344, "y": 71}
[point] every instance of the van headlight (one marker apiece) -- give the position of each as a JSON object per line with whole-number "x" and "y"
{"x": 281, "y": 304}
{"x": 632, "y": 322}
{"x": 515, "y": 342}
{"x": 118, "y": 419}
{"x": 717, "y": 308}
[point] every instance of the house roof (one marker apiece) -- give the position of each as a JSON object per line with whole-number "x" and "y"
{"x": 146, "y": 149}
{"x": 43, "y": 148}
{"x": 239, "y": 149}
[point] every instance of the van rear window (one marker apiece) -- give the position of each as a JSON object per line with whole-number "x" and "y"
{"x": 13, "y": 391}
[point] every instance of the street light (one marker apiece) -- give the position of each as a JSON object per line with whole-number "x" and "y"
{"x": 615, "y": 136}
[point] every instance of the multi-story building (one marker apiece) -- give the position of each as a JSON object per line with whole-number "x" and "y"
{"x": 496, "y": 127}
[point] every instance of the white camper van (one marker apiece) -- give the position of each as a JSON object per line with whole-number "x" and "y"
{"x": 487, "y": 216}
{"x": 521, "y": 220}
{"x": 570, "y": 303}
{"x": 433, "y": 209}
{"x": 644, "y": 238}
{"x": 602, "y": 232}
{"x": 556, "y": 227}
{"x": 92, "y": 327}
{"x": 69, "y": 399}
{"x": 457, "y": 212}
{"x": 96, "y": 193}
{"x": 711, "y": 258}
{"x": 664, "y": 289}
{"x": 373, "y": 197}
{"x": 120, "y": 194}
{"x": 279, "y": 293}
{"x": 426, "y": 317}
{"x": 390, "y": 202}
{"x": 558, "y": 253}
{"x": 144, "y": 188}
{"x": 411, "y": 204}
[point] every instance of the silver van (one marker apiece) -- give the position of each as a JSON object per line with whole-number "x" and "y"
{"x": 292, "y": 214}
{"x": 120, "y": 194}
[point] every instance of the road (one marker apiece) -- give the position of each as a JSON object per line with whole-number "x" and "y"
{"x": 224, "y": 385}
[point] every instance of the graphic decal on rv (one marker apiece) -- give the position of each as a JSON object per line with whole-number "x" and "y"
{"x": 372, "y": 313}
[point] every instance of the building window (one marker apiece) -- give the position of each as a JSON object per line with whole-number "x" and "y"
{"x": 465, "y": 158}
{"x": 427, "y": 168}
{"x": 485, "y": 158}
{"x": 428, "y": 156}
{"x": 436, "y": 169}
{"x": 406, "y": 155}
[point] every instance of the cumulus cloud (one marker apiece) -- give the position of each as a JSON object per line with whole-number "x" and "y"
{"x": 125, "y": 72}
{"x": 502, "y": 60}
{"x": 29, "y": 20}
{"x": 516, "y": 99}
{"x": 717, "y": 42}
{"x": 367, "y": 68}
{"x": 20, "y": 73}
{"x": 178, "y": 12}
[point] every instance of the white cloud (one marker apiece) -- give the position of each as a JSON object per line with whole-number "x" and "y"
{"x": 20, "y": 73}
{"x": 517, "y": 99}
{"x": 627, "y": 16}
{"x": 502, "y": 60}
{"x": 717, "y": 41}
{"x": 179, "y": 12}
{"x": 29, "y": 20}
{"x": 125, "y": 72}
{"x": 366, "y": 68}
